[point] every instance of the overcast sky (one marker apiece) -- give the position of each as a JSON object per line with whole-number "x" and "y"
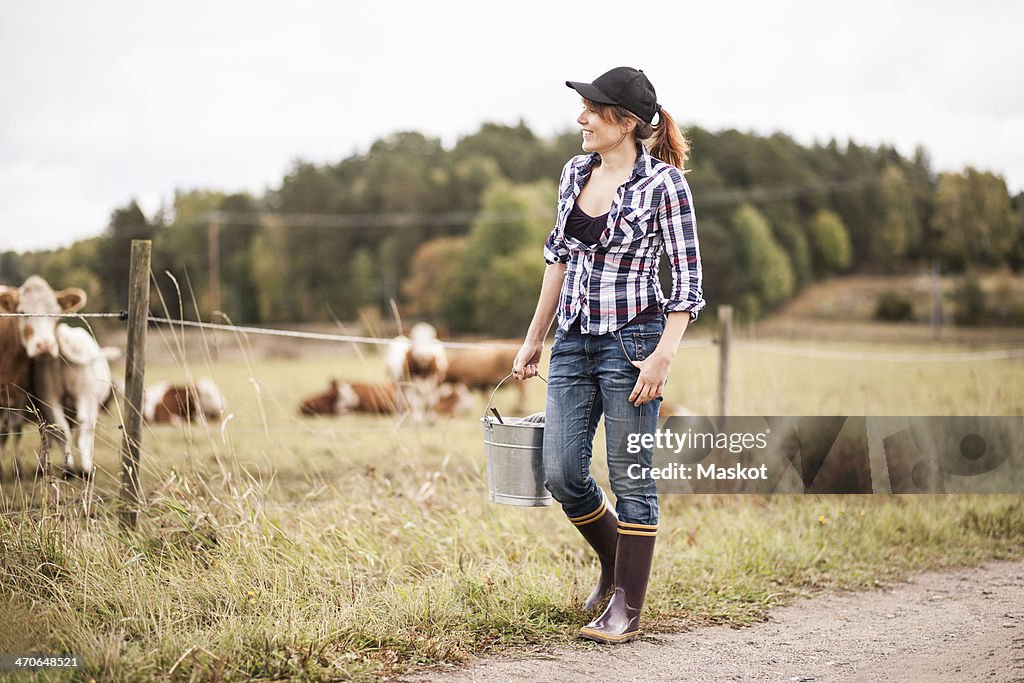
{"x": 104, "y": 101}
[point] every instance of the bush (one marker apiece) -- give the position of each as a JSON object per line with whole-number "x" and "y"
{"x": 831, "y": 242}
{"x": 769, "y": 272}
{"x": 504, "y": 305}
{"x": 1005, "y": 300}
{"x": 893, "y": 307}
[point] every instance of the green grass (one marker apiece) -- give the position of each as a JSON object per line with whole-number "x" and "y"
{"x": 283, "y": 547}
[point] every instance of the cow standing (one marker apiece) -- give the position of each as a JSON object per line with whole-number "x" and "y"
{"x": 482, "y": 369}
{"x": 24, "y": 340}
{"x": 417, "y": 364}
{"x": 15, "y": 380}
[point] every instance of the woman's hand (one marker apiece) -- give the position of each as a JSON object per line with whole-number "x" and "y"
{"x": 653, "y": 374}
{"x": 527, "y": 360}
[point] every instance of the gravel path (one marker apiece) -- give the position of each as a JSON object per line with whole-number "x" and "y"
{"x": 954, "y": 625}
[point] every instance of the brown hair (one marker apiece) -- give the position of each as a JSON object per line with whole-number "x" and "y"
{"x": 664, "y": 140}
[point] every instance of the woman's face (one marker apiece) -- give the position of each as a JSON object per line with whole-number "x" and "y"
{"x": 599, "y": 135}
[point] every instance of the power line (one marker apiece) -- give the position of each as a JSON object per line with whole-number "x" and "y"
{"x": 295, "y": 334}
{"x": 826, "y": 354}
{"x": 789, "y": 191}
{"x": 372, "y": 220}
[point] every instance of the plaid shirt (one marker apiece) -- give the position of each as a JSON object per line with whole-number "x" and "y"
{"x": 609, "y": 283}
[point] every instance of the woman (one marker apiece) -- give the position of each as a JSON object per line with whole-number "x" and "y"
{"x": 619, "y": 207}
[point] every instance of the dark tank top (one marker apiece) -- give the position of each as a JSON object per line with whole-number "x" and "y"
{"x": 587, "y": 229}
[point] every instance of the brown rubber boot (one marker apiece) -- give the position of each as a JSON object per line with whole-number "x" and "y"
{"x": 599, "y": 528}
{"x": 620, "y": 622}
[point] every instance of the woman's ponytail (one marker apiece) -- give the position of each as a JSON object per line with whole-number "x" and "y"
{"x": 664, "y": 140}
{"x": 668, "y": 143}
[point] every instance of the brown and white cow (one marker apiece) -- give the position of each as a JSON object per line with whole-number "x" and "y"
{"x": 483, "y": 368}
{"x": 166, "y": 403}
{"x": 25, "y": 339}
{"x": 15, "y": 380}
{"x": 417, "y": 364}
{"x": 325, "y": 403}
{"x": 364, "y": 397}
{"x": 385, "y": 399}
{"x": 342, "y": 397}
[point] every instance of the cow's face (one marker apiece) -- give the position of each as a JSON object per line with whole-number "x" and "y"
{"x": 39, "y": 334}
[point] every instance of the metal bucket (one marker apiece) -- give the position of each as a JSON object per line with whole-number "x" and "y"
{"x": 515, "y": 466}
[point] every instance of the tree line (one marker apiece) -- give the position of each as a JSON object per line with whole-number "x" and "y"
{"x": 454, "y": 235}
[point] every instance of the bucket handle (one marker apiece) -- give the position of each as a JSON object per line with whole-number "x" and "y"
{"x": 489, "y": 400}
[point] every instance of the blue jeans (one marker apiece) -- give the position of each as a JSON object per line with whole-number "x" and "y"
{"x": 591, "y": 375}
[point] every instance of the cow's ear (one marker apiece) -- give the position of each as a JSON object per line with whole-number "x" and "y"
{"x": 8, "y": 299}
{"x": 71, "y": 299}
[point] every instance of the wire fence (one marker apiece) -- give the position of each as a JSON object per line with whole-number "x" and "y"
{"x": 801, "y": 352}
{"x": 122, "y": 315}
{"x": 293, "y": 334}
{"x": 823, "y": 354}
{"x": 139, "y": 320}
{"x": 318, "y": 336}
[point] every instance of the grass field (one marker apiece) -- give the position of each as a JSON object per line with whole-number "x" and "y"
{"x": 353, "y": 547}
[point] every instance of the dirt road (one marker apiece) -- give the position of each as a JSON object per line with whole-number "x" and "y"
{"x": 956, "y": 625}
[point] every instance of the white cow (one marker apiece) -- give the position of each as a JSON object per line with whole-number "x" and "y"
{"x": 75, "y": 385}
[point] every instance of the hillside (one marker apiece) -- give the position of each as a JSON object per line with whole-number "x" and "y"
{"x": 843, "y": 308}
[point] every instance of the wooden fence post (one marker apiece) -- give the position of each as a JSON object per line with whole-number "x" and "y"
{"x": 134, "y": 377}
{"x": 724, "y": 341}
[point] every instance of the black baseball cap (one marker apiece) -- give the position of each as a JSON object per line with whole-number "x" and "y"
{"x": 624, "y": 86}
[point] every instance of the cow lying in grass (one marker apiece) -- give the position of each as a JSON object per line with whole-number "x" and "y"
{"x": 342, "y": 397}
{"x": 166, "y": 403}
